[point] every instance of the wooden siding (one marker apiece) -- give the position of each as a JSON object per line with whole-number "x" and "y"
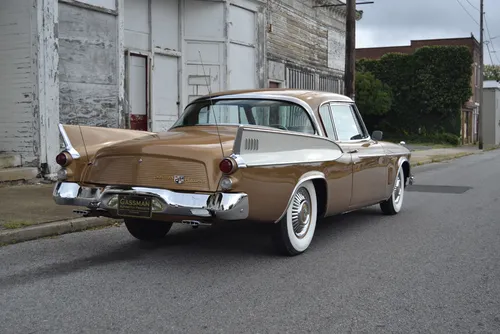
{"x": 298, "y": 35}
{"x": 18, "y": 122}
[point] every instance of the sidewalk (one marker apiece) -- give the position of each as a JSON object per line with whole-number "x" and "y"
{"x": 425, "y": 156}
{"x": 29, "y": 212}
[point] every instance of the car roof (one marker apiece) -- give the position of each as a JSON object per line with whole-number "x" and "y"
{"x": 311, "y": 97}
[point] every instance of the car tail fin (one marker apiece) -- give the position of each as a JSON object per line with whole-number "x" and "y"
{"x": 84, "y": 145}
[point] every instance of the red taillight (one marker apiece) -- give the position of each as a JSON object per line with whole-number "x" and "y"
{"x": 226, "y": 166}
{"x": 62, "y": 159}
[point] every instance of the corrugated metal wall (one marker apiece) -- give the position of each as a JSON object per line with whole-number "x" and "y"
{"x": 18, "y": 123}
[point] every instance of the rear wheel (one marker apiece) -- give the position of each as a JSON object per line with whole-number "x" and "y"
{"x": 294, "y": 232}
{"x": 147, "y": 230}
{"x": 393, "y": 205}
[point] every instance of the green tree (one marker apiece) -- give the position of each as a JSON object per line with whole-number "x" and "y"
{"x": 492, "y": 72}
{"x": 373, "y": 98}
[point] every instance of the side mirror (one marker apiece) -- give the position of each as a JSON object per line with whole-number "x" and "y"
{"x": 377, "y": 135}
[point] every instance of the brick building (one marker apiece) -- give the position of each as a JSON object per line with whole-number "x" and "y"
{"x": 470, "y": 111}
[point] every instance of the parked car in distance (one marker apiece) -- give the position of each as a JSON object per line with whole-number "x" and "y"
{"x": 281, "y": 156}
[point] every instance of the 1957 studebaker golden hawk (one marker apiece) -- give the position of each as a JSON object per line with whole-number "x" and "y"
{"x": 283, "y": 156}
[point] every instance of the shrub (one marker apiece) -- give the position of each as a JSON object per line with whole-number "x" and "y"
{"x": 428, "y": 89}
{"x": 373, "y": 98}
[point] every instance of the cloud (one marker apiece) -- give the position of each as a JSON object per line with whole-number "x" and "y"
{"x": 396, "y": 22}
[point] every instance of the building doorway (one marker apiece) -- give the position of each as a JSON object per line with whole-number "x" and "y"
{"x": 137, "y": 90}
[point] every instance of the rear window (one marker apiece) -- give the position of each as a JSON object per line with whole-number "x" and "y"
{"x": 269, "y": 113}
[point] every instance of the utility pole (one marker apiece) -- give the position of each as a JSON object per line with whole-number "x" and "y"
{"x": 481, "y": 77}
{"x": 350, "y": 46}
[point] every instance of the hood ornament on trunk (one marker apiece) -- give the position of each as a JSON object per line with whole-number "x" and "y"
{"x": 179, "y": 179}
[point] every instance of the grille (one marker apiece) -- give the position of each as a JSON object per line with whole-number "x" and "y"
{"x": 156, "y": 172}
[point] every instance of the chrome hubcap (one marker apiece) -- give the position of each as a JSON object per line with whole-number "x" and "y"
{"x": 398, "y": 188}
{"x": 301, "y": 212}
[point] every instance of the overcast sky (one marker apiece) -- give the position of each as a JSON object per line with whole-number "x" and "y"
{"x": 396, "y": 22}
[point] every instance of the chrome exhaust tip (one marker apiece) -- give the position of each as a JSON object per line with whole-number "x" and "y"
{"x": 81, "y": 212}
{"x": 195, "y": 223}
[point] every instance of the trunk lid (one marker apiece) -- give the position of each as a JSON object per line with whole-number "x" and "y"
{"x": 185, "y": 158}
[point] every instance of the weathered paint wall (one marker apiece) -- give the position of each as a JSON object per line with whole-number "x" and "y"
{"x": 224, "y": 46}
{"x": 88, "y": 69}
{"x": 18, "y": 121}
{"x": 304, "y": 38}
{"x": 152, "y": 39}
{"x": 45, "y": 57}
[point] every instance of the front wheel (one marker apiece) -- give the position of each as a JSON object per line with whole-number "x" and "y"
{"x": 294, "y": 232}
{"x": 147, "y": 230}
{"x": 393, "y": 205}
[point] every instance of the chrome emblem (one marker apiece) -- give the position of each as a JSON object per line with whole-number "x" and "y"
{"x": 179, "y": 179}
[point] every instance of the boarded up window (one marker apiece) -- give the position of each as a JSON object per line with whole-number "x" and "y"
{"x": 299, "y": 80}
{"x": 303, "y": 80}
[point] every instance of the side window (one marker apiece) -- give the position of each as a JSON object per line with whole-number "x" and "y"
{"x": 294, "y": 118}
{"x": 346, "y": 123}
{"x": 326, "y": 118}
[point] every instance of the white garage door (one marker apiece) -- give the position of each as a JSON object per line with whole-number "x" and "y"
{"x": 242, "y": 50}
{"x": 165, "y": 92}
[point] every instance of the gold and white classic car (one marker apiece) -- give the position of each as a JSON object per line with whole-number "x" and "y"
{"x": 282, "y": 156}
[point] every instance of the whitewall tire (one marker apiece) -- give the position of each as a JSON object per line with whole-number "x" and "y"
{"x": 394, "y": 204}
{"x": 295, "y": 231}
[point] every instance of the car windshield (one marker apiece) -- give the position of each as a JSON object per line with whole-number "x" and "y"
{"x": 270, "y": 113}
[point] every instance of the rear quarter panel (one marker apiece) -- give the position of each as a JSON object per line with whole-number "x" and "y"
{"x": 277, "y": 161}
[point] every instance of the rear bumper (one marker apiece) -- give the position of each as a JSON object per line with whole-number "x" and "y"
{"x": 104, "y": 201}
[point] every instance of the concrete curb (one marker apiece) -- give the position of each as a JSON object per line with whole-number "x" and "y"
{"x": 53, "y": 229}
{"x": 427, "y": 161}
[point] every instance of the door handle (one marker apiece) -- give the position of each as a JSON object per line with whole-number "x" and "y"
{"x": 353, "y": 151}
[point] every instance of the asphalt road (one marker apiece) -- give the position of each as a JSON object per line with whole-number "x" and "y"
{"x": 434, "y": 268}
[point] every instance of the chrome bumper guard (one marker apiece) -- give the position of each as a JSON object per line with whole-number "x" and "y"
{"x": 223, "y": 206}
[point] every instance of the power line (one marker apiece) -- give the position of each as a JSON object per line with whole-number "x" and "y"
{"x": 489, "y": 36}
{"x": 490, "y": 42}
{"x": 472, "y": 5}
{"x": 468, "y": 13}
{"x": 488, "y": 47}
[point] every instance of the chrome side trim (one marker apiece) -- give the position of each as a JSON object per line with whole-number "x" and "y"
{"x": 278, "y": 147}
{"x": 240, "y": 162}
{"x": 306, "y": 177}
{"x": 71, "y": 150}
{"x": 223, "y": 206}
{"x": 395, "y": 154}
